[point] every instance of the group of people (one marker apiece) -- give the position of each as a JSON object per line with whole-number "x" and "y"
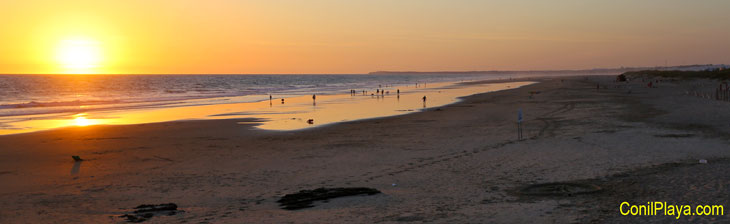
{"x": 381, "y": 92}
{"x": 377, "y": 92}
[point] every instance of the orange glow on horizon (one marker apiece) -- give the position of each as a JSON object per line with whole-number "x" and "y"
{"x": 358, "y": 36}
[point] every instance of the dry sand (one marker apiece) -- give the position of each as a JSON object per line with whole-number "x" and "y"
{"x": 458, "y": 163}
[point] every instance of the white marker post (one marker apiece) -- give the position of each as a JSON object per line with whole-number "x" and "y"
{"x": 519, "y": 124}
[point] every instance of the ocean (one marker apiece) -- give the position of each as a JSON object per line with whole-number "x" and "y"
{"x": 45, "y": 94}
{"x": 30, "y": 103}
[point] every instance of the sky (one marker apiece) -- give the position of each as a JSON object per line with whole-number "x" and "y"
{"x": 356, "y": 36}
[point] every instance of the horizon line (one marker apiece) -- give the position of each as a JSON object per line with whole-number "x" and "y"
{"x": 380, "y": 71}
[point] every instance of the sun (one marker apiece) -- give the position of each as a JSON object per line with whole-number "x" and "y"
{"x": 79, "y": 55}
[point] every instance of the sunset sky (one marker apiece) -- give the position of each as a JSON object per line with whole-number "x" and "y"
{"x": 356, "y": 36}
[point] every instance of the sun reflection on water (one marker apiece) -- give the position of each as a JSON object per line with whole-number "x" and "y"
{"x": 81, "y": 120}
{"x": 295, "y": 114}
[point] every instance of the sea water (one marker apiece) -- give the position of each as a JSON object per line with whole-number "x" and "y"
{"x": 39, "y": 102}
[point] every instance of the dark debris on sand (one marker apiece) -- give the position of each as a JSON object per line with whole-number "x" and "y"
{"x": 144, "y": 212}
{"x": 305, "y": 198}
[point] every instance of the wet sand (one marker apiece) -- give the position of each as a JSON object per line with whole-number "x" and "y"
{"x": 274, "y": 114}
{"x": 456, "y": 163}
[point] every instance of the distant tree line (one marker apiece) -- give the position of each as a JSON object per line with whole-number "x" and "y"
{"x": 716, "y": 73}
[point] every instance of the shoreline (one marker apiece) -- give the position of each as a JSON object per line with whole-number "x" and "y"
{"x": 258, "y": 94}
{"x": 458, "y": 163}
{"x": 272, "y": 116}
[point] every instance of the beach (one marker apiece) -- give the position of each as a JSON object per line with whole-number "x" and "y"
{"x": 457, "y": 163}
{"x": 280, "y": 102}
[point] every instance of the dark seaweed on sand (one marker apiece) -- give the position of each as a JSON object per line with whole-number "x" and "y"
{"x": 146, "y": 211}
{"x": 305, "y": 198}
{"x": 155, "y": 208}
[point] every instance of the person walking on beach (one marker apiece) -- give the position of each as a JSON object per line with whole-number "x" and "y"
{"x": 424, "y": 101}
{"x": 398, "y": 91}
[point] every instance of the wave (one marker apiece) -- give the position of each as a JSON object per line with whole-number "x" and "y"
{"x": 82, "y": 103}
{"x": 32, "y": 95}
{"x": 79, "y": 103}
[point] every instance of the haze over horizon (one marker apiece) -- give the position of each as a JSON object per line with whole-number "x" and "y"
{"x": 265, "y": 37}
